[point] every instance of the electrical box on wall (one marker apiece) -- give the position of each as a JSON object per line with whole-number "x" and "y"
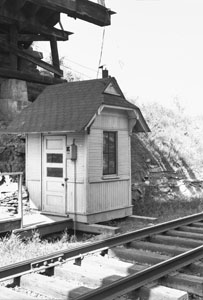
{"x": 68, "y": 152}
{"x": 71, "y": 151}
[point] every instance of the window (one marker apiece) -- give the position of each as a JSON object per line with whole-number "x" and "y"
{"x": 54, "y": 172}
{"x": 109, "y": 152}
{"x": 54, "y": 158}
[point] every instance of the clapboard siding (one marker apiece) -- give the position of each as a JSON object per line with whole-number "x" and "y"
{"x": 80, "y": 175}
{"x": 95, "y": 155}
{"x": 33, "y": 157}
{"x": 80, "y": 198}
{"x": 123, "y": 153}
{"x": 80, "y": 163}
{"x": 95, "y": 193}
{"x": 104, "y": 196}
{"x": 34, "y": 188}
{"x": 33, "y": 169}
{"x": 111, "y": 119}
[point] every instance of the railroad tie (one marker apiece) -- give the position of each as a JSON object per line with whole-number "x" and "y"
{"x": 190, "y": 283}
{"x": 52, "y": 286}
{"x": 7, "y": 293}
{"x": 159, "y": 292}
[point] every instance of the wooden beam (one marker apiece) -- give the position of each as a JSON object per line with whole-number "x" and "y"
{"x": 18, "y": 5}
{"x": 32, "y": 25}
{"x": 81, "y": 9}
{"x": 47, "y": 31}
{"x": 54, "y": 53}
{"x": 13, "y": 41}
{"x": 35, "y": 37}
{"x": 29, "y": 77}
{"x": 93, "y": 13}
{"x": 6, "y": 20}
{"x": 31, "y": 10}
{"x": 45, "y": 228}
{"x": 9, "y": 224}
{"x": 28, "y": 56}
{"x": 62, "y": 6}
{"x": 11, "y": 294}
{"x": 2, "y": 2}
{"x": 29, "y": 38}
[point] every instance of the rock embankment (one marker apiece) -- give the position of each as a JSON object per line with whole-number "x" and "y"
{"x": 9, "y": 198}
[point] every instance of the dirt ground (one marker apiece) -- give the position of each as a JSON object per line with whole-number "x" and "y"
{"x": 131, "y": 223}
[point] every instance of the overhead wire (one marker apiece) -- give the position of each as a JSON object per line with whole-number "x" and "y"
{"x": 66, "y": 67}
{"x": 67, "y": 59}
{"x": 100, "y": 58}
{"x": 88, "y": 68}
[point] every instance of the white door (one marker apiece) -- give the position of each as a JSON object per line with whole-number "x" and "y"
{"x": 54, "y": 174}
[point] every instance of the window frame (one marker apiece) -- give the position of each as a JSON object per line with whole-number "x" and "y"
{"x": 109, "y": 153}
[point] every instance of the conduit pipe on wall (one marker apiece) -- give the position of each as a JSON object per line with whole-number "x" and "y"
{"x": 74, "y": 159}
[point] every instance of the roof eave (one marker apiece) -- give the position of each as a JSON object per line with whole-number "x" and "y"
{"x": 38, "y": 132}
{"x": 136, "y": 110}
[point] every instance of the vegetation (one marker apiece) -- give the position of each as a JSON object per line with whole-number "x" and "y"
{"x": 167, "y": 163}
{"x": 13, "y": 249}
{"x": 173, "y": 148}
{"x": 175, "y": 139}
{"x": 168, "y": 210}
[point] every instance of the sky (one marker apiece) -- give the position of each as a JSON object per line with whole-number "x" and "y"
{"x": 154, "y": 48}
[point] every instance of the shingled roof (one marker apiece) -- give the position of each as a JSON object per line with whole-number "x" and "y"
{"x": 69, "y": 107}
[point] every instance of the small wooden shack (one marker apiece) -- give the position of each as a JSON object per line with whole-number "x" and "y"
{"x": 78, "y": 154}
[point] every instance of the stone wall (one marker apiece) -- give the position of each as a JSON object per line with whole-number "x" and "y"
{"x": 13, "y": 97}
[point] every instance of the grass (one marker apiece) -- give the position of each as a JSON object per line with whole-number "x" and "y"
{"x": 170, "y": 209}
{"x": 13, "y": 249}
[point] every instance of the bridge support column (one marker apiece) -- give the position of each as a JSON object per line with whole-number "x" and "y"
{"x": 13, "y": 97}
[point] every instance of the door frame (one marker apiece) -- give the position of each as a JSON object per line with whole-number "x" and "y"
{"x": 44, "y": 138}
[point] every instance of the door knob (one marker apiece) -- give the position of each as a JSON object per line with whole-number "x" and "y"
{"x": 62, "y": 184}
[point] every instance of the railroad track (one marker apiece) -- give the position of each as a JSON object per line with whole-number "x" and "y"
{"x": 167, "y": 254}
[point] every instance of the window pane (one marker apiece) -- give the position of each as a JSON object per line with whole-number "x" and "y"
{"x": 111, "y": 137}
{"x": 54, "y": 172}
{"x": 109, "y": 152}
{"x": 112, "y": 147}
{"x": 56, "y": 144}
{"x": 105, "y": 164}
{"x": 112, "y": 142}
{"x": 112, "y": 164}
{"x": 105, "y": 142}
{"x": 54, "y": 158}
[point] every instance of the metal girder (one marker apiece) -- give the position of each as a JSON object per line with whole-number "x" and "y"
{"x": 25, "y": 266}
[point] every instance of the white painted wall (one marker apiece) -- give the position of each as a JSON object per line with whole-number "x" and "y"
{"x": 108, "y": 193}
{"x": 80, "y": 175}
{"x": 33, "y": 169}
{"x": 94, "y": 192}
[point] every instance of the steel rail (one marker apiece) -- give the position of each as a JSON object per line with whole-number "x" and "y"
{"x": 132, "y": 282}
{"x": 16, "y": 269}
